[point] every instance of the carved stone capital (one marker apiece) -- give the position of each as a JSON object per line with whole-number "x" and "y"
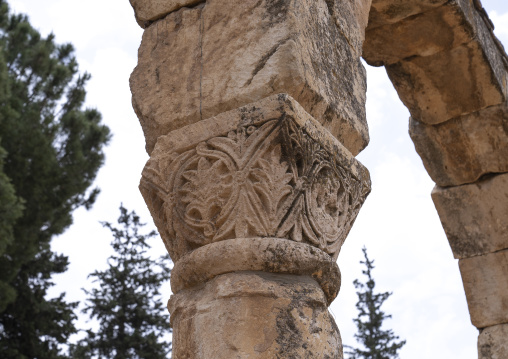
{"x": 264, "y": 170}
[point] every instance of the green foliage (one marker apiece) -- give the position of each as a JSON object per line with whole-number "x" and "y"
{"x": 33, "y": 326}
{"x": 132, "y": 319}
{"x": 376, "y": 342}
{"x": 10, "y": 210}
{"x": 51, "y": 150}
{"x": 10, "y": 205}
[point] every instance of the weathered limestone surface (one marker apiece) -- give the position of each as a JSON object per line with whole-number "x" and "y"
{"x": 485, "y": 281}
{"x": 201, "y": 61}
{"x": 273, "y": 255}
{"x": 442, "y": 25}
{"x": 463, "y": 149}
{"x": 442, "y": 58}
{"x": 448, "y": 84}
{"x": 493, "y": 342}
{"x": 254, "y": 315}
{"x": 385, "y": 12}
{"x": 147, "y": 11}
{"x": 351, "y": 17}
{"x": 442, "y": 28}
{"x": 475, "y": 216}
{"x": 267, "y": 169}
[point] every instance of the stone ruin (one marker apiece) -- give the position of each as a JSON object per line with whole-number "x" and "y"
{"x": 253, "y": 113}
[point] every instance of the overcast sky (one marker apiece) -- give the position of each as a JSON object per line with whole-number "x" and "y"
{"x": 398, "y": 224}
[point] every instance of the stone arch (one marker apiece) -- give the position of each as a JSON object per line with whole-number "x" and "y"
{"x": 450, "y": 71}
{"x": 210, "y": 75}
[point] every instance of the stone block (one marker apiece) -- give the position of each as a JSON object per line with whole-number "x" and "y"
{"x": 264, "y": 170}
{"x": 493, "y": 342}
{"x": 199, "y": 62}
{"x": 463, "y": 149}
{"x": 385, "y": 12}
{"x": 442, "y": 28}
{"x": 254, "y": 315}
{"x": 422, "y": 27}
{"x": 444, "y": 61}
{"x": 147, "y": 11}
{"x": 475, "y": 216}
{"x": 351, "y": 17}
{"x": 485, "y": 281}
{"x": 450, "y": 83}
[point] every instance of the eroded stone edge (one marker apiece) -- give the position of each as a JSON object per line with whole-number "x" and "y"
{"x": 146, "y": 15}
{"x": 493, "y": 342}
{"x": 273, "y": 255}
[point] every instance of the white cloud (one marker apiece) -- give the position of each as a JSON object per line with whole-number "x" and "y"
{"x": 501, "y": 25}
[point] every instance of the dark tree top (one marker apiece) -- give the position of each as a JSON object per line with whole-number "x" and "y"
{"x": 133, "y": 321}
{"x": 376, "y": 342}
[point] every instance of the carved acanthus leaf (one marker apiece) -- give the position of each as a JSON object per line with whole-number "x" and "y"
{"x": 271, "y": 180}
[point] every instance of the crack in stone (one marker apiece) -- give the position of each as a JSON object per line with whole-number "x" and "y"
{"x": 262, "y": 62}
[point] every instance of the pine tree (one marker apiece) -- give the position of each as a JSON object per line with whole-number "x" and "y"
{"x": 132, "y": 319}
{"x": 11, "y": 206}
{"x": 51, "y": 150}
{"x": 377, "y": 343}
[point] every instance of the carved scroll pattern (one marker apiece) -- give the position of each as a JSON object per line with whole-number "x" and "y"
{"x": 268, "y": 181}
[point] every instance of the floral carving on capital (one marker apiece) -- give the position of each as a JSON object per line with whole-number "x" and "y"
{"x": 265, "y": 180}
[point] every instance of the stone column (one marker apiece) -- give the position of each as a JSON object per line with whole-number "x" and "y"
{"x": 254, "y": 205}
{"x": 253, "y": 112}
